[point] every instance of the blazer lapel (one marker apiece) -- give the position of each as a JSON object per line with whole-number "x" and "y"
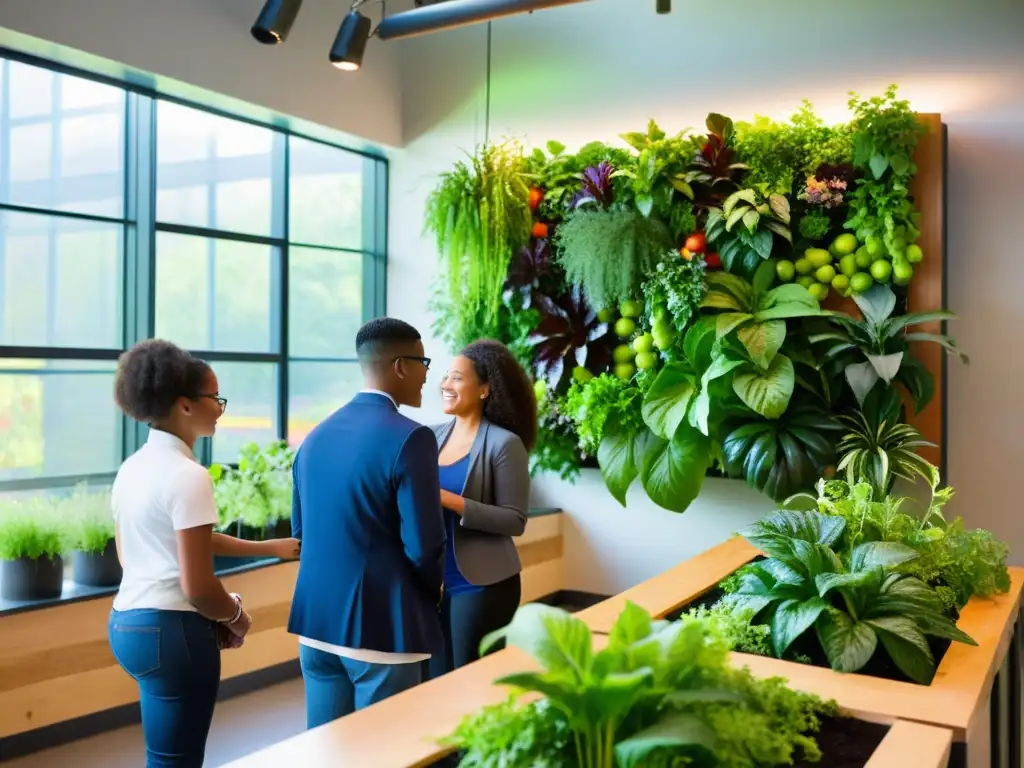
{"x": 479, "y": 444}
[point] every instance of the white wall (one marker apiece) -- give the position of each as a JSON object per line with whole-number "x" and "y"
{"x": 206, "y": 44}
{"x": 594, "y": 70}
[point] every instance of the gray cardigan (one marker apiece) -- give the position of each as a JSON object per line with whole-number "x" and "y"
{"x": 497, "y": 495}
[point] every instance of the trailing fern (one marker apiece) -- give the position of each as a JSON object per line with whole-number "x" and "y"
{"x": 610, "y": 252}
{"x": 480, "y": 216}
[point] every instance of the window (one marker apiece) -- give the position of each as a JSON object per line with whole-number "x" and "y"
{"x": 260, "y": 251}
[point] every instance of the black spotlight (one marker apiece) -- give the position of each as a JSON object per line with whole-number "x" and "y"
{"x": 663, "y": 6}
{"x": 350, "y": 44}
{"x": 275, "y": 21}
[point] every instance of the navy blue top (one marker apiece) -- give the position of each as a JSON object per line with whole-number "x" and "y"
{"x": 453, "y": 480}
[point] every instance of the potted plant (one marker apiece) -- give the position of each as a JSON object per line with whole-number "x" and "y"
{"x": 31, "y": 544}
{"x": 91, "y": 539}
{"x": 657, "y": 693}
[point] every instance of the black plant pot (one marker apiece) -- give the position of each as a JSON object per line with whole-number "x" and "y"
{"x": 32, "y": 578}
{"x": 97, "y": 569}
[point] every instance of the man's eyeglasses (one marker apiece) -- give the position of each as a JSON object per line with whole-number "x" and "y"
{"x": 424, "y": 360}
{"x": 221, "y": 401}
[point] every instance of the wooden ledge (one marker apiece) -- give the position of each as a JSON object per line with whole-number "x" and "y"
{"x": 912, "y": 745}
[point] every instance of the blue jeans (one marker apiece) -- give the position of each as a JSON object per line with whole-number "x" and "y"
{"x": 336, "y": 686}
{"x": 175, "y": 659}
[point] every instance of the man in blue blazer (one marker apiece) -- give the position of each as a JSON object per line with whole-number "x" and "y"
{"x": 367, "y": 508}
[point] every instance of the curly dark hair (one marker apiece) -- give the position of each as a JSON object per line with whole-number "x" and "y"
{"x": 511, "y": 403}
{"x": 152, "y": 375}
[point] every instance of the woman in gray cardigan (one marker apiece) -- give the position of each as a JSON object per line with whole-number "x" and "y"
{"x": 485, "y": 492}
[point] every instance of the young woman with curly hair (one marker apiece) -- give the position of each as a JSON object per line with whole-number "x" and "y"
{"x": 171, "y": 615}
{"x": 485, "y": 492}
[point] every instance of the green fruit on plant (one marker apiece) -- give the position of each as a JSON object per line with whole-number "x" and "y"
{"x": 605, "y": 315}
{"x": 625, "y": 371}
{"x": 643, "y": 343}
{"x": 661, "y": 315}
{"x": 875, "y": 246}
{"x": 863, "y": 258}
{"x": 662, "y": 334}
{"x": 861, "y": 282}
{"x": 899, "y": 245}
{"x": 624, "y": 327}
{"x": 581, "y": 374}
{"x": 902, "y": 272}
{"x": 631, "y": 308}
{"x": 803, "y": 266}
{"x": 881, "y": 271}
{"x": 818, "y": 291}
{"x": 825, "y": 274}
{"x": 785, "y": 270}
{"x": 841, "y": 283}
{"x": 645, "y": 361}
{"x": 623, "y": 354}
{"x": 818, "y": 257}
{"x": 540, "y": 389}
{"x": 844, "y": 244}
{"x": 805, "y": 280}
{"x": 848, "y": 265}
{"x": 914, "y": 254}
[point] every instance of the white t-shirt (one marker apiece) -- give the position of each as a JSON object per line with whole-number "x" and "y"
{"x": 159, "y": 489}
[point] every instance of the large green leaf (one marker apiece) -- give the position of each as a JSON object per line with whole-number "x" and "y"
{"x": 902, "y": 595}
{"x": 809, "y": 526}
{"x": 619, "y": 457}
{"x": 762, "y": 340}
{"x": 826, "y": 582}
{"x": 861, "y": 377}
{"x": 939, "y": 626}
{"x": 559, "y": 689}
{"x": 791, "y": 619}
{"x": 880, "y": 553}
{"x": 786, "y": 301}
{"x": 848, "y": 644}
{"x": 633, "y": 625}
{"x": 727, "y": 322}
{"x": 699, "y": 342}
{"x": 614, "y": 695}
{"x": 719, "y": 367}
{"x": 886, "y": 366}
{"x": 737, "y": 287}
{"x": 815, "y": 559}
{"x": 673, "y": 471}
{"x": 896, "y": 324}
{"x": 766, "y": 392}
{"x": 668, "y": 399}
{"x": 676, "y": 730}
{"x": 554, "y": 637}
{"x": 876, "y": 304}
{"x": 906, "y": 646}
{"x": 943, "y": 341}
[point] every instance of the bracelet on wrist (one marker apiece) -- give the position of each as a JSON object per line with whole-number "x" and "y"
{"x": 238, "y": 610}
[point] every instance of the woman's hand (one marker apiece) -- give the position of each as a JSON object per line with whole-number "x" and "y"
{"x": 452, "y": 502}
{"x": 285, "y": 549}
{"x": 240, "y": 628}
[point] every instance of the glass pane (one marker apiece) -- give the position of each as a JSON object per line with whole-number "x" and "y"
{"x": 60, "y": 282}
{"x": 325, "y": 302}
{"x": 62, "y": 144}
{"x": 215, "y": 294}
{"x": 315, "y": 391}
{"x": 212, "y": 172}
{"x": 251, "y": 415}
{"x": 325, "y": 195}
{"x": 57, "y": 417}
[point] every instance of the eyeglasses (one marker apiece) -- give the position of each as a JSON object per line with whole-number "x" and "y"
{"x": 221, "y": 401}
{"x": 424, "y": 360}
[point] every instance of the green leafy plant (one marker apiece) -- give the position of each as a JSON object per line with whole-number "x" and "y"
{"x": 674, "y": 290}
{"x": 609, "y": 252}
{"x": 258, "y": 492}
{"x": 479, "y": 215}
{"x": 557, "y": 448}
{"x": 600, "y": 403}
{"x": 31, "y": 529}
{"x": 559, "y": 174}
{"x": 89, "y": 520}
{"x": 815, "y": 225}
{"x": 742, "y": 229}
{"x": 852, "y": 606}
{"x": 658, "y": 694}
{"x": 876, "y": 348}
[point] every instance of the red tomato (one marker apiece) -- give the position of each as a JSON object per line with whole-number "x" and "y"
{"x": 540, "y": 229}
{"x": 536, "y": 195}
{"x": 696, "y": 242}
{"x": 713, "y": 260}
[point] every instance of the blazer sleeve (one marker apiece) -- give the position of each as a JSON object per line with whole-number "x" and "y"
{"x": 419, "y": 508}
{"x": 510, "y": 469}
{"x": 296, "y": 506}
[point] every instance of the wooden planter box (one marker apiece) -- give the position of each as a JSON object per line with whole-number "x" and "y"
{"x": 976, "y": 692}
{"x": 433, "y": 710}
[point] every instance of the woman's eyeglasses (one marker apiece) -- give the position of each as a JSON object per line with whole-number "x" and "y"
{"x": 221, "y": 401}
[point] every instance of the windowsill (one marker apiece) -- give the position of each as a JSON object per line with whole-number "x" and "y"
{"x": 76, "y": 593}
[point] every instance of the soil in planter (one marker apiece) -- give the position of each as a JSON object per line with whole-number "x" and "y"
{"x": 845, "y": 743}
{"x": 807, "y": 646}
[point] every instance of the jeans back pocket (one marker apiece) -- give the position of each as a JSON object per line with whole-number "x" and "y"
{"x": 137, "y": 649}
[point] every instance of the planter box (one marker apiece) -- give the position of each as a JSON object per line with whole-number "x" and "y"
{"x": 433, "y": 710}
{"x": 976, "y": 692}
{"x": 97, "y": 569}
{"x": 32, "y": 579}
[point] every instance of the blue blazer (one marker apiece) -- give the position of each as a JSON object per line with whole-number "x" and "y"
{"x": 367, "y": 508}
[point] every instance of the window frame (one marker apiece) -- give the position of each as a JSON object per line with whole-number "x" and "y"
{"x": 139, "y": 228}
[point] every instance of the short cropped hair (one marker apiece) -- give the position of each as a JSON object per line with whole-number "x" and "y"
{"x": 152, "y": 375}
{"x": 381, "y": 334}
